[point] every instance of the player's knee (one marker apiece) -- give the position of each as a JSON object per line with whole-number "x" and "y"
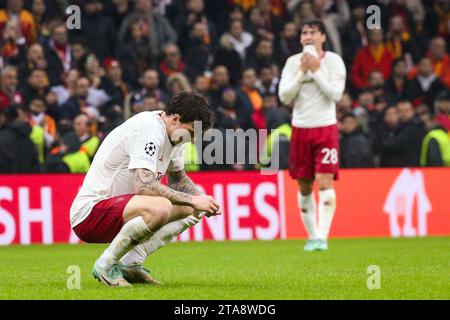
{"x": 306, "y": 187}
{"x": 325, "y": 183}
{"x": 157, "y": 215}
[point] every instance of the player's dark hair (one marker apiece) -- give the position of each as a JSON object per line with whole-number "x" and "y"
{"x": 314, "y": 23}
{"x": 191, "y": 106}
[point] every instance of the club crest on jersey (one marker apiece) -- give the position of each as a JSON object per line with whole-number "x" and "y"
{"x": 150, "y": 149}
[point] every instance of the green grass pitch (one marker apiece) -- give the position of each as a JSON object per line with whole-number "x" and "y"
{"x": 416, "y": 268}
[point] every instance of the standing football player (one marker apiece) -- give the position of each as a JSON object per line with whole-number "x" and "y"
{"x": 122, "y": 200}
{"x": 313, "y": 81}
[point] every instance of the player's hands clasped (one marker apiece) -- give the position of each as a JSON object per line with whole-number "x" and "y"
{"x": 206, "y": 204}
{"x": 309, "y": 62}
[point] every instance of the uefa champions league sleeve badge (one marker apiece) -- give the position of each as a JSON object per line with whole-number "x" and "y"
{"x": 150, "y": 149}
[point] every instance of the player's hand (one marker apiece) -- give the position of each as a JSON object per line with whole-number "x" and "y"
{"x": 304, "y": 65}
{"x": 314, "y": 64}
{"x": 205, "y": 203}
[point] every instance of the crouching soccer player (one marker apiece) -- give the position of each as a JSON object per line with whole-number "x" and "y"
{"x": 122, "y": 200}
{"x": 313, "y": 81}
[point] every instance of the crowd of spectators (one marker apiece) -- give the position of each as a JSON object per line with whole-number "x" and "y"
{"x": 62, "y": 90}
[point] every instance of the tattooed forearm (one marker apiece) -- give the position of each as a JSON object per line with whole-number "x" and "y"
{"x": 181, "y": 182}
{"x": 145, "y": 184}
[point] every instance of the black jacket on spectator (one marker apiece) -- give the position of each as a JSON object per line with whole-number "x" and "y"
{"x": 55, "y": 66}
{"x": 355, "y": 151}
{"x": 99, "y": 34}
{"x": 402, "y": 147}
{"x": 18, "y": 153}
{"x": 135, "y": 58}
{"x": 197, "y": 57}
{"x": 417, "y": 95}
{"x": 70, "y": 109}
{"x": 394, "y": 94}
{"x": 230, "y": 59}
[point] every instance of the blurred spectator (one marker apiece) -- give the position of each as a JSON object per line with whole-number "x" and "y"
{"x": 35, "y": 59}
{"x": 150, "y": 85}
{"x": 134, "y": 53}
{"x": 436, "y": 144}
{"x": 58, "y": 52}
{"x": 42, "y": 14}
{"x": 376, "y": 84}
{"x": 355, "y": 35}
{"x": 198, "y": 54}
{"x": 17, "y": 152}
{"x": 79, "y": 53}
{"x": 117, "y": 10}
{"x": 301, "y": 11}
{"x": 77, "y": 149}
{"x": 226, "y": 56}
{"x": 97, "y": 30}
{"x": 153, "y": 26}
{"x": 15, "y": 11}
{"x": 343, "y": 107}
{"x": 38, "y": 85}
{"x": 262, "y": 55}
{"x": 176, "y": 83}
{"x": 440, "y": 60}
{"x": 185, "y": 24}
{"x": 133, "y": 105}
{"x": 334, "y": 21}
{"x": 405, "y": 144}
{"x": 38, "y": 116}
{"x": 43, "y": 132}
{"x": 437, "y": 19}
{"x": 425, "y": 86}
{"x": 79, "y": 102}
{"x": 269, "y": 24}
{"x": 219, "y": 81}
{"x": 172, "y": 62}
{"x": 12, "y": 44}
{"x": 239, "y": 39}
{"x": 247, "y": 91}
{"x": 231, "y": 107}
{"x": 151, "y": 103}
{"x": 442, "y": 109}
{"x": 288, "y": 43}
{"x": 277, "y": 142}
{"x": 387, "y": 131}
{"x": 113, "y": 71}
{"x": 399, "y": 41}
{"x": 269, "y": 107}
{"x": 267, "y": 83}
{"x": 355, "y": 149}
{"x": 374, "y": 56}
{"x": 92, "y": 68}
{"x": 8, "y": 88}
{"x": 201, "y": 84}
{"x": 67, "y": 88}
{"x": 397, "y": 84}
{"x": 364, "y": 107}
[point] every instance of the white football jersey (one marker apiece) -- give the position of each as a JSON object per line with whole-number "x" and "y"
{"x": 313, "y": 95}
{"x": 140, "y": 142}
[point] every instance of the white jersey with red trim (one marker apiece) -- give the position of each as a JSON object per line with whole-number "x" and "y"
{"x": 140, "y": 142}
{"x": 314, "y": 95}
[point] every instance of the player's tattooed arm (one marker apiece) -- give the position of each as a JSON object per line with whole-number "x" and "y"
{"x": 145, "y": 183}
{"x": 179, "y": 181}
